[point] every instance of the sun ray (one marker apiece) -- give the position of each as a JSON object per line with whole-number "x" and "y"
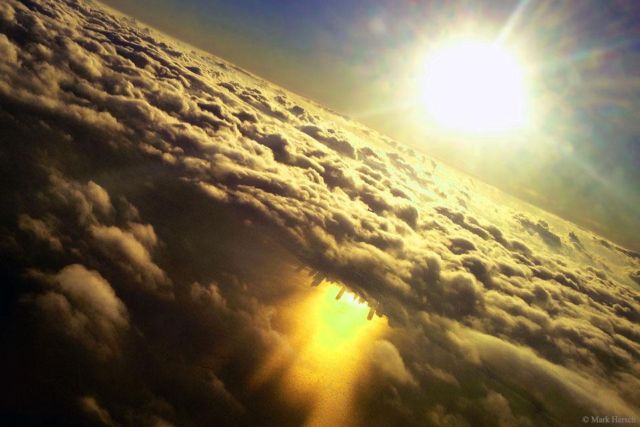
{"x": 513, "y": 20}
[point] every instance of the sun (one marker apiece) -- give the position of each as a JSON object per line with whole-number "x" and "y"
{"x": 476, "y": 87}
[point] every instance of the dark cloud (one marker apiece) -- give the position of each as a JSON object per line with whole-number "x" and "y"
{"x": 40, "y": 230}
{"x": 330, "y": 139}
{"x": 542, "y": 229}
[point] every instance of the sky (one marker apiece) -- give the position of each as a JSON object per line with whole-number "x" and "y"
{"x": 363, "y": 59}
{"x": 187, "y": 244}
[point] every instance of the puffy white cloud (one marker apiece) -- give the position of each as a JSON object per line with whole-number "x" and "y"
{"x": 8, "y": 50}
{"x": 544, "y": 380}
{"x": 387, "y": 359}
{"x": 116, "y": 242}
{"x": 83, "y": 305}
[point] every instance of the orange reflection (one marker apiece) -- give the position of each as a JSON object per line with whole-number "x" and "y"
{"x": 329, "y": 341}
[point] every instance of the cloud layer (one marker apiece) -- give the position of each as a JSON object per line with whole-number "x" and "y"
{"x": 161, "y": 204}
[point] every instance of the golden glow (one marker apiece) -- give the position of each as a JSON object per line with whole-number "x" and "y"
{"x": 474, "y": 86}
{"x": 337, "y": 322}
{"x": 330, "y": 340}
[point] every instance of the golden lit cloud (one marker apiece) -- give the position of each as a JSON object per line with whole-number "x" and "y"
{"x": 161, "y": 207}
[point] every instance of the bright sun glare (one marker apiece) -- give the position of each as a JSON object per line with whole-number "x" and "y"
{"x": 329, "y": 341}
{"x": 476, "y": 87}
